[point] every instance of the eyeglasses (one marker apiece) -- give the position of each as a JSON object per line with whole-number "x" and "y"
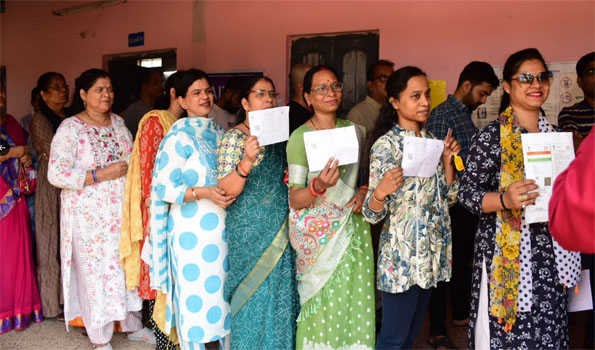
{"x": 59, "y": 87}
{"x": 528, "y": 78}
{"x": 260, "y": 94}
{"x": 325, "y": 89}
{"x": 382, "y": 77}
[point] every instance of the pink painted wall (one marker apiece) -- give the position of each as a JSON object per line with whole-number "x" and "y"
{"x": 218, "y": 35}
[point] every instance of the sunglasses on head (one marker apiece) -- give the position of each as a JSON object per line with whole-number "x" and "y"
{"x": 528, "y": 78}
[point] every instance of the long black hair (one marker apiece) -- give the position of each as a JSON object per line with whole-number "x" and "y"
{"x": 84, "y": 82}
{"x": 246, "y": 89}
{"x": 511, "y": 67}
{"x": 43, "y": 84}
{"x": 186, "y": 79}
{"x": 164, "y": 101}
{"x": 388, "y": 117}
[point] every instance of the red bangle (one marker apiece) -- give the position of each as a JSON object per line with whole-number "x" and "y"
{"x": 313, "y": 190}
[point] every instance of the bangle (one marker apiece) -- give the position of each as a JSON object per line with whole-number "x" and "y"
{"x": 194, "y": 194}
{"x": 239, "y": 172}
{"x": 363, "y": 187}
{"x": 376, "y": 198}
{"x": 313, "y": 190}
{"x": 94, "y": 175}
{"x": 502, "y": 201}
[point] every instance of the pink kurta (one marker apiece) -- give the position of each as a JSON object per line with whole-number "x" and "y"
{"x": 90, "y": 221}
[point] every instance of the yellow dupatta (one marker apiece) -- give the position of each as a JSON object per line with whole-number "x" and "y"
{"x": 132, "y": 219}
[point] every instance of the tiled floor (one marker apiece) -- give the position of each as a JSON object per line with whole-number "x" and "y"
{"x": 51, "y": 335}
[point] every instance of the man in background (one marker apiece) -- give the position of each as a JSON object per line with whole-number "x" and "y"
{"x": 299, "y": 112}
{"x": 476, "y": 82}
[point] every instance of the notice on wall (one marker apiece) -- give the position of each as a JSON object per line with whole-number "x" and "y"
{"x": 564, "y": 92}
{"x": 437, "y": 92}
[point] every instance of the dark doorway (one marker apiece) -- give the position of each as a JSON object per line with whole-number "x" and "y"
{"x": 124, "y": 70}
{"x": 348, "y": 53}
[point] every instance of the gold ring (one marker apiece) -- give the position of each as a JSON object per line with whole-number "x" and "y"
{"x": 523, "y": 197}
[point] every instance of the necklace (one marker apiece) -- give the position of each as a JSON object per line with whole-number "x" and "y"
{"x": 103, "y": 123}
{"x": 315, "y": 126}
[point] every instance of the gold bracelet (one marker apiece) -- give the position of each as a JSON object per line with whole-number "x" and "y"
{"x": 194, "y": 193}
{"x": 376, "y": 199}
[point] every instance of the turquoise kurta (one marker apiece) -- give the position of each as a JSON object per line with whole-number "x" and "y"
{"x": 268, "y": 318}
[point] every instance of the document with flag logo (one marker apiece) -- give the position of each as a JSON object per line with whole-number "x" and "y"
{"x": 545, "y": 155}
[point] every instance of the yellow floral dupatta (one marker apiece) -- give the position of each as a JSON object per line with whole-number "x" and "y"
{"x": 506, "y": 261}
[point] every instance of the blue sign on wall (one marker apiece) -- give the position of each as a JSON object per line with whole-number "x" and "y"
{"x": 136, "y": 39}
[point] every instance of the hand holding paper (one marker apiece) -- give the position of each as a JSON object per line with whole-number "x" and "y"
{"x": 270, "y": 125}
{"x": 340, "y": 144}
{"x": 421, "y": 156}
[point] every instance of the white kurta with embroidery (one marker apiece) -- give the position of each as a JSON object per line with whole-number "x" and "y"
{"x": 194, "y": 233}
{"x": 90, "y": 221}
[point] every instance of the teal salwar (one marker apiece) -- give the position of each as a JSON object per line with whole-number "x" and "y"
{"x": 267, "y": 319}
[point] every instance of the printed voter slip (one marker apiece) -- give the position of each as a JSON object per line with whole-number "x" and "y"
{"x": 339, "y": 143}
{"x": 421, "y": 156}
{"x": 545, "y": 156}
{"x": 270, "y": 125}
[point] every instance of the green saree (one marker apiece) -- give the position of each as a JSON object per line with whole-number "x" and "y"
{"x": 335, "y": 266}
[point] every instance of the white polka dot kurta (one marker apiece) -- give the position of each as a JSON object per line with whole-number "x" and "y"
{"x": 195, "y": 233}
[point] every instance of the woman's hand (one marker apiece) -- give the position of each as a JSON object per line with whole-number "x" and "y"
{"x": 113, "y": 171}
{"x": 358, "y": 200}
{"x": 451, "y": 147}
{"x": 218, "y": 196}
{"x": 390, "y": 183}
{"x": 26, "y": 160}
{"x": 251, "y": 149}
{"x": 517, "y": 195}
{"x": 328, "y": 177}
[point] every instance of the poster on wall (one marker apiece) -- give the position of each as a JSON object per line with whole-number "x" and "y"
{"x": 219, "y": 80}
{"x": 564, "y": 92}
{"x": 437, "y": 92}
{"x": 2, "y": 90}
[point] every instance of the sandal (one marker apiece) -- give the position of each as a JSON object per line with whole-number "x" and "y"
{"x": 441, "y": 341}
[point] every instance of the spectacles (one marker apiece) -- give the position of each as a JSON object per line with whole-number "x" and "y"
{"x": 260, "y": 94}
{"x": 59, "y": 87}
{"x": 383, "y": 78}
{"x": 528, "y": 78}
{"x": 325, "y": 89}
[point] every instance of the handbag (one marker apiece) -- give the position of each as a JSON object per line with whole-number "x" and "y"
{"x": 27, "y": 179}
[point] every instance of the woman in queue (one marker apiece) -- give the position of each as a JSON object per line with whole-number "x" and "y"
{"x": 261, "y": 283}
{"x": 188, "y": 221}
{"x": 53, "y": 92}
{"x": 415, "y": 244}
{"x": 335, "y": 270}
{"x": 152, "y": 127}
{"x": 19, "y": 297}
{"x": 520, "y": 274}
{"x": 88, "y": 161}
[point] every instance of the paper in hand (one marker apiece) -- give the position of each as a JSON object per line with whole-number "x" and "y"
{"x": 339, "y": 143}
{"x": 421, "y": 156}
{"x": 270, "y": 125}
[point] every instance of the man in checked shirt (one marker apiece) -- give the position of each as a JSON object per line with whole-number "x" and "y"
{"x": 476, "y": 83}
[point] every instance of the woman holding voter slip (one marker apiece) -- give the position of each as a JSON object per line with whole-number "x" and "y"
{"x": 261, "y": 284}
{"x": 520, "y": 274}
{"x": 332, "y": 241}
{"x": 415, "y": 245}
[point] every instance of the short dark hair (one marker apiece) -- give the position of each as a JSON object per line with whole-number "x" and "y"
{"x": 511, "y": 67}
{"x": 478, "y": 72}
{"x": 84, "y": 82}
{"x": 187, "y": 78}
{"x": 246, "y": 89}
{"x": 371, "y": 72}
{"x": 582, "y": 64}
{"x": 310, "y": 76}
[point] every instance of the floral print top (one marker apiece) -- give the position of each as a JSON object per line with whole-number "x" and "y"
{"x": 415, "y": 243}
